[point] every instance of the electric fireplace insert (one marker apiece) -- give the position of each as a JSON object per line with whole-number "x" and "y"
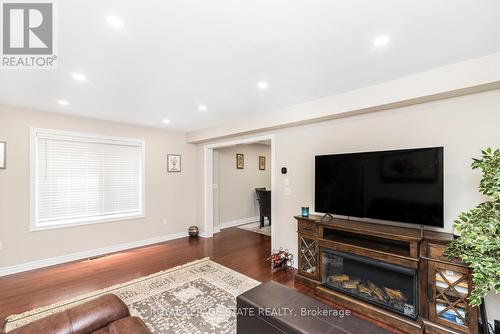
{"x": 380, "y": 283}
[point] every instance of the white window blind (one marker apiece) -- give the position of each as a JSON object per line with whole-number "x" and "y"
{"x": 82, "y": 178}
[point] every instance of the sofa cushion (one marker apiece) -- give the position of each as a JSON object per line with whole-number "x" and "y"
{"x": 129, "y": 325}
{"x": 81, "y": 319}
{"x": 98, "y": 313}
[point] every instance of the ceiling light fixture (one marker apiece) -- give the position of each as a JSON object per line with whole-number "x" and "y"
{"x": 263, "y": 85}
{"x": 63, "y": 102}
{"x": 115, "y": 22}
{"x": 166, "y": 121}
{"x": 202, "y": 107}
{"x": 79, "y": 77}
{"x": 381, "y": 40}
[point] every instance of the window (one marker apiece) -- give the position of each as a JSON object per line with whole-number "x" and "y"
{"x": 81, "y": 179}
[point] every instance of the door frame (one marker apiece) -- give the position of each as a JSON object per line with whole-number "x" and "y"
{"x": 208, "y": 221}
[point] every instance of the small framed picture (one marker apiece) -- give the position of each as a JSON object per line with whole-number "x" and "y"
{"x": 174, "y": 163}
{"x": 3, "y": 148}
{"x": 262, "y": 163}
{"x": 240, "y": 161}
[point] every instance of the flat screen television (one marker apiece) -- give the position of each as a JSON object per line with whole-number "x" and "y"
{"x": 401, "y": 185}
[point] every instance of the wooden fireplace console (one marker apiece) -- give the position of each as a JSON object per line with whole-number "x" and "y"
{"x": 443, "y": 285}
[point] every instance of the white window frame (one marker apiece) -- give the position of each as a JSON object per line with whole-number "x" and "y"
{"x": 34, "y": 226}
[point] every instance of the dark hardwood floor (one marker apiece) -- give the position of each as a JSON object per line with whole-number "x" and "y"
{"x": 240, "y": 250}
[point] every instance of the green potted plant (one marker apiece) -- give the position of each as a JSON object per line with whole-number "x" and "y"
{"x": 478, "y": 244}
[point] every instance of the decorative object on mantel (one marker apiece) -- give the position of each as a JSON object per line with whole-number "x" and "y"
{"x": 280, "y": 259}
{"x": 193, "y": 231}
{"x": 240, "y": 161}
{"x": 174, "y": 163}
{"x": 479, "y": 229}
{"x": 3, "y": 146}
{"x": 305, "y": 211}
{"x": 262, "y": 163}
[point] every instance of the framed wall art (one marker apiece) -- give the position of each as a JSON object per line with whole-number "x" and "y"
{"x": 174, "y": 163}
{"x": 262, "y": 163}
{"x": 240, "y": 161}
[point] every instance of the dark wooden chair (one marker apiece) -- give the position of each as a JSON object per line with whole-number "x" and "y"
{"x": 264, "y": 199}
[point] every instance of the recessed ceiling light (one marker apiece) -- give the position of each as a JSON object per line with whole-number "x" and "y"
{"x": 381, "y": 40}
{"x": 165, "y": 121}
{"x": 263, "y": 85}
{"x": 63, "y": 102}
{"x": 202, "y": 107}
{"x": 115, "y": 21}
{"x": 79, "y": 77}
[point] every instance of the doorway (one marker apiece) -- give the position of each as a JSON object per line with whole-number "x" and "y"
{"x": 241, "y": 163}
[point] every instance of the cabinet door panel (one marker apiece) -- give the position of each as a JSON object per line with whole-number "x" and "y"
{"x": 450, "y": 289}
{"x": 308, "y": 256}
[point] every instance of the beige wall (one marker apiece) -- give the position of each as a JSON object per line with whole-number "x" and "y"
{"x": 463, "y": 125}
{"x": 168, "y": 195}
{"x": 236, "y": 187}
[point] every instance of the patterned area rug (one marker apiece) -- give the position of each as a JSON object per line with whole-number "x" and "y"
{"x": 254, "y": 227}
{"x": 196, "y": 298}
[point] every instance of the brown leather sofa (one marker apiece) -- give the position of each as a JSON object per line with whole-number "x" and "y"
{"x": 104, "y": 315}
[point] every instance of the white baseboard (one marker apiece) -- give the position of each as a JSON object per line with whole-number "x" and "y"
{"x": 4, "y": 271}
{"x": 203, "y": 234}
{"x": 239, "y": 222}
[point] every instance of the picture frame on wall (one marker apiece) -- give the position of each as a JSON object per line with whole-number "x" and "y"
{"x": 240, "y": 161}
{"x": 262, "y": 163}
{"x": 174, "y": 163}
{"x": 3, "y": 151}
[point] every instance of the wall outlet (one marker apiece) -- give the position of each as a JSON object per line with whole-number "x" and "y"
{"x": 164, "y": 221}
{"x": 1, "y": 245}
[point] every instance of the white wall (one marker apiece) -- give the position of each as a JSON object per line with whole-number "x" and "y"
{"x": 463, "y": 125}
{"x": 168, "y": 195}
{"x": 236, "y": 187}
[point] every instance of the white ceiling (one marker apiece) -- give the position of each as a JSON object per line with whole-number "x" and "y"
{"x": 173, "y": 55}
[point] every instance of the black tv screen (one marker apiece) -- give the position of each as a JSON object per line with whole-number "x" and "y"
{"x": 402, "y": 185}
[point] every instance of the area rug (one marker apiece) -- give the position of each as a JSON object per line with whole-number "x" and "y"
{"x": 254, "y": 227}
{"x": 196, "y": 298}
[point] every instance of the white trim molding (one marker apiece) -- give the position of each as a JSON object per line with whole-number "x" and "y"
{"x": 208, "y": 195}
{"x": 203, "y": 234}
{"x": 4, "y": 271}
{"x": 238, "y": 222}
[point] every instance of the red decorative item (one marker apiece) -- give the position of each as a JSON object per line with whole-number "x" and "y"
{"x": 280, "y": 259}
